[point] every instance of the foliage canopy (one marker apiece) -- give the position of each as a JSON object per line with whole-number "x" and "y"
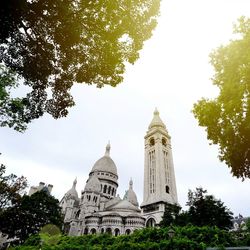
{"x": 51, "y": 44}
{"x": 174, "y": 216}
{"x": 203, "y": 210}
{"x": 11, "y": 188}
{"x": 227, "y": 117}
{"x": 30, "y": 215}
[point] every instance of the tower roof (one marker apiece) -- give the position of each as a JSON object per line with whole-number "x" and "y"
{"x": 72, "y": 193}
{"x": 124, "y": 205}
{"x": 156, "y": 121}
{"x": 130, "y": 195}
{"x": 105, "y": 164}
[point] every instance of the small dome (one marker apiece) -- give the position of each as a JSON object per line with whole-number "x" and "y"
{"x": 93, "y": 184}
{"x": 105, "y": 164}
{"x": 130, "y": 195}
{"x": 156, "y": 121}
{"x": 72, "y": 193}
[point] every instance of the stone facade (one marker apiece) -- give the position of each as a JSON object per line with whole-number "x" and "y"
{"x": 239, "y": 223}
{"x": 100, "y": 210}
{"x": 159, "y": 177}
{"x": 40, "y": 187}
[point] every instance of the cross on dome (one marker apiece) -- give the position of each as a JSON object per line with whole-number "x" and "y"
{"x": 107, "y": 153}
{"x": 131, "y": 184}
{"x": 75, "y": 182}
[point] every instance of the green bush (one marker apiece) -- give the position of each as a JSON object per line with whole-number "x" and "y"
{"x": 33, "y": 240}
{"x": 188, "y": 238}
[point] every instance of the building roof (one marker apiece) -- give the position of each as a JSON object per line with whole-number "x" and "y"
{"x": 112, "y": 202}
{"x": 130, "y": 195}
{"x": 105, "y": 164}
{"x": 156, "y": 121}
{"x": 72, "y": 193}
{"x": 124, "y": 205}
{"x": 93, "y": 184}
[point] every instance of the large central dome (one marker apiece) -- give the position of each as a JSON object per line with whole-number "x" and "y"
{"x": 105, "y": 164}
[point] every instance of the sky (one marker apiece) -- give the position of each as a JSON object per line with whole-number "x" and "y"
{"x": 173, "y": 73}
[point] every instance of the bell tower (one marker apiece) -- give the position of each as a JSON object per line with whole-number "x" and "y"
{"x": 159, "y": 177}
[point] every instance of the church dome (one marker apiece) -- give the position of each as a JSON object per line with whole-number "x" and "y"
{"x": 130, "y": 195}
{"x": 93, "y": 184}
{"x": 72, "y": 193}
{"x": 105, "y": 164}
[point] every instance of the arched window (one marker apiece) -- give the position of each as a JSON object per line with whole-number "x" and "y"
{"x": 150, "y": 223}
{"x": 101, "y": 187}
{"x": 164, "y": 142}
{"x": 152, "y": 142}
{"x": 102, "y": 230}
{"x": 93, "y": 231}
{"x": 105, "y": 189}
{"x": 167, "y": 189}
{"x": 77, "y": 214}
{"x": 109, "y": 230}
{"x": 113, "y": 190}
{"x": 86, "y": 231}
{"x": 117, "y": 232}
{"x": 128, "y": 231}
{"x": 109, "y": 190}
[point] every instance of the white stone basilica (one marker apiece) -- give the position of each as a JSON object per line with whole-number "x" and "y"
{"x": 99, "y": 209}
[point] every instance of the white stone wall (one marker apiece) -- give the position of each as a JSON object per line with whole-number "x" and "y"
{"x": 160, "y": 168}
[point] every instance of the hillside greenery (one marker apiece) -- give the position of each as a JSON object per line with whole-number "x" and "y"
{"x": 188, "y": 237}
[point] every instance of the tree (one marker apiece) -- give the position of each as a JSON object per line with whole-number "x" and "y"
{"x": 227, "y": 117}
{"x": 248, "y": 224}
{"x": 31, "y": 215}
{"x": 50, "y": 229}
{"x": 170, "y": 214}
{"x": 205, "y": 210}
{"x": 174, "y": 216}
{"x": 11, "y": 188}
{"x": 13, "y": 110}
{"x": 50, "y": 44}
